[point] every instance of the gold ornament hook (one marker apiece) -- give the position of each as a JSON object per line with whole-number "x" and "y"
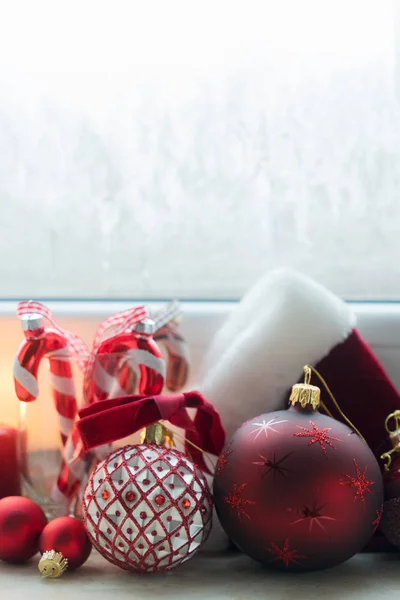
{"x": 307, "y": 375}
{"x": 396, "y": 417}
{"x": 394, "y": 435}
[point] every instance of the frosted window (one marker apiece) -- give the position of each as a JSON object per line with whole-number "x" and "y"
{"x": 157, "y": 149}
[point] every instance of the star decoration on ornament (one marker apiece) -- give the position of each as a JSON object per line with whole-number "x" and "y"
{"x": 314, "y": 516}
{"x": 273, "y": 465}
{"x": 319, "y": 436}
{"x": 236, "y": 502}
{"x": 379, "y": 514}
{"x": 223, "y": 459}
{"x": 285, "y": 554}
{"x": 266, "y": 426}
{"x": 360, "y": 483}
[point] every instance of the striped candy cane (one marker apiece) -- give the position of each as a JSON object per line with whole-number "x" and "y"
{"x": 123, "y": 353}
{"x": 135, "y": 366}
{"x": 57, "y": 345}
{"x": 166, "y": 324}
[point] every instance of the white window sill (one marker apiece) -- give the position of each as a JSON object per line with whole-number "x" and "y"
{"x": 379, "y": 323}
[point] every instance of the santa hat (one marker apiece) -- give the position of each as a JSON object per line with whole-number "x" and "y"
{"x": 285, "y": 322}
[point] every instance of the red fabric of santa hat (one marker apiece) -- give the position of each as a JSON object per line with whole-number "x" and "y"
{"x": 284, "y": 322}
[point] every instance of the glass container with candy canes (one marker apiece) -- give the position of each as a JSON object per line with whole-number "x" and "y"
{"x": 56, "y": 374}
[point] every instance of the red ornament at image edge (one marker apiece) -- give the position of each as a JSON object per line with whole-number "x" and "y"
{"x": 21, "y": 523}
{"x": 67, "y": 535}
{"x": 147, "y": 508}
{"x": 297, "y": 490}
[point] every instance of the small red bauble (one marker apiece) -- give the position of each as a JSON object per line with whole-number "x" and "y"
{"x": 157, "y": 518}
{"x": 298, "y": 490}
{"x": 21, "y": 523}
{"x": 68, "y": 536}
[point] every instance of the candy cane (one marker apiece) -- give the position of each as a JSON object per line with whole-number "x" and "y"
{"x": 177, "y": 353}
{"x": 55, "y": 344}
{"x": 131, "y": 379}
{"x": 130, "y": 345}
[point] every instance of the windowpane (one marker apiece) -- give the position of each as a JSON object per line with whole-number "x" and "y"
{"x": 156, "y": 149}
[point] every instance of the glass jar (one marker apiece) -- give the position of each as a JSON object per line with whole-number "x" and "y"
{"x": 49, "y": 474}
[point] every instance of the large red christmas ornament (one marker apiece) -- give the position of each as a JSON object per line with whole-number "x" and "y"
{"x": 147, "y": 508}
{"x": 298, "y": 490}
{"x": 21, "y": 523}
{"x": 68, "y": 536}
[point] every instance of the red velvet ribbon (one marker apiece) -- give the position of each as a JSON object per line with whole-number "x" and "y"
{"x": 111, "y": 420}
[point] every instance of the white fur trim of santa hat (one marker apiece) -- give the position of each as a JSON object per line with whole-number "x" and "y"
{"x": 284, "y": 322}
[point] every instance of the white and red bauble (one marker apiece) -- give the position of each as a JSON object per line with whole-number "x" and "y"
{"x": 147, "y": 508}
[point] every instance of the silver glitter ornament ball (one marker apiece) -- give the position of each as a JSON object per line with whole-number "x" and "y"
{"x": 147, "y": 508}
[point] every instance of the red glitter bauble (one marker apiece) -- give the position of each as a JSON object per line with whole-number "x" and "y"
{"x": 298, "y": 490}
{"x": 68, "y": 536}
{"x": 157, "y": 510}
{"x": 21, "y": 523}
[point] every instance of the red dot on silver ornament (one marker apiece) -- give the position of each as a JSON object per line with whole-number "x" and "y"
{"x": 146, "y": 481}
{"x": 171, "y": 486}
{"x": 154, "y": 532}
{"x": 109, "y": 531}
{"x": 159, "y": 500}
{"x": 117, "y": 513}
{"x": 105, "y": 494}
{"x": 129, "y": 531}
{"x": 169, "y": 518}
{"x": 143, "y": 515}
{"x": 88, "y": 497}
{"x": 115, "y": 465}
{"x": 101, "y": 480}
{"x": 186, "y": 503}
{"x": 140, "y": 546}
{"x": 161, "y": 548}
{"x": 159, "y": 469}
{"x": 130, "y": 496}
{"x": 120, "y": 481}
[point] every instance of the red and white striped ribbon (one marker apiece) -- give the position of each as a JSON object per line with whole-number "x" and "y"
{"x": 122, "y": 321}
{"x": 79, "y": 349}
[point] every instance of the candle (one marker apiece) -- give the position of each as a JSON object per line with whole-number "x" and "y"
{"x": 9, "y": 469}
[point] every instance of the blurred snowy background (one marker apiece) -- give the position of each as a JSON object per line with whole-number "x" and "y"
{"x": 182, "y": 148}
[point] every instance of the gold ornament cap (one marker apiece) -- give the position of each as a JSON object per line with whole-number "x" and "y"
{"x": 157, "y": 434}
{"x": 52, "y": 564}
{"x": 305, "y": 394}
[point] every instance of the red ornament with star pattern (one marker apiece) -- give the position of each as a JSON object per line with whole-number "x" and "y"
{"x": 147, "y": 508}
{"x": 297, "y": 490}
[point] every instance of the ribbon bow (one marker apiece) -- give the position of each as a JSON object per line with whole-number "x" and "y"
{"x": 114, "y": 419}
